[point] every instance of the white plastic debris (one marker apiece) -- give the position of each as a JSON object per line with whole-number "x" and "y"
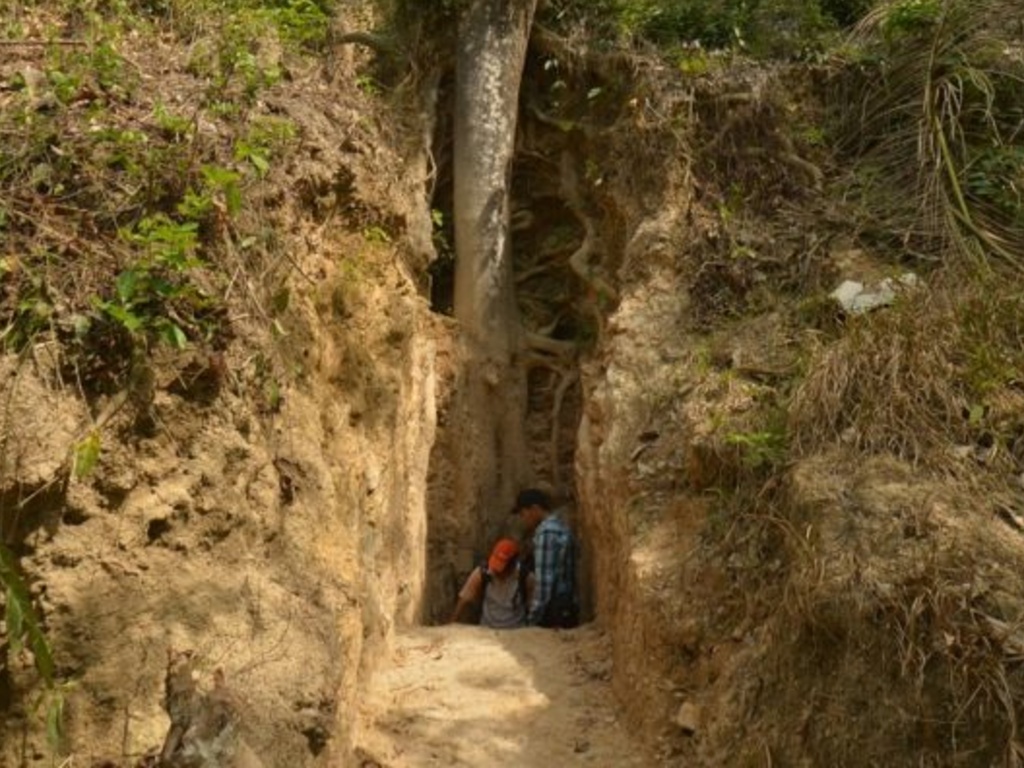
{"x": 855, "y": 299}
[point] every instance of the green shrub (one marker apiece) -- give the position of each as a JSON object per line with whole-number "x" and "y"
{"x": 24, "y": 630}
{"x": 786, "y": 28}
{"x": 153, "y": 297}
{"x": 911, "y": 17}
{"x": 996, "y": 177}
{"x": 760, "y": 450}
{"x": 21, "y": 620}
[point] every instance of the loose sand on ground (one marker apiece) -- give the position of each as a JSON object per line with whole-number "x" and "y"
{"x": 469, "y": 696}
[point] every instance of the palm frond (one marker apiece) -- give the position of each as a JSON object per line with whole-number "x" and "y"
{"x": 933, "y": 103}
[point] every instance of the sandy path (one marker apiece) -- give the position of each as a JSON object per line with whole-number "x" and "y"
{"x": 466, "y": 696}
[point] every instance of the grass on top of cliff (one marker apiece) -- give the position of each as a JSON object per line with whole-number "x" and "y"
{"x": 135, "y": 143}
{"x": 933, "y": 380}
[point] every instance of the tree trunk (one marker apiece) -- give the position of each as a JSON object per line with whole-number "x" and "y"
{"x": 493, "y": 37}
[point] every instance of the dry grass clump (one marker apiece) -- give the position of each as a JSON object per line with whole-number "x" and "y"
{"x": 921, "y": 378}
{"x": 942, "y": 665}
{"x": 948, "y": 641}
{"x": 901, "y": 591}
{"x": 886, "y": 386}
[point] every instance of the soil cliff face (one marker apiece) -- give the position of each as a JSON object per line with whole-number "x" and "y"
{"x": 775, "y": 593}
{"x": 267, "y": 516}
{"x": 266, "y": 544}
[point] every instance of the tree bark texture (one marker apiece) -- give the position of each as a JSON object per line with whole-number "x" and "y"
{"x": 493, "y": 37}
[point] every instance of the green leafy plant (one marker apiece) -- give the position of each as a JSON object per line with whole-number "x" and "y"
{"x": 137, "y": 291}
{"x": 376, "y": 234}
{"x": 176, "y": 127}
{"x": 258, "y": 156}
{"x": 145, "y": 290}
{"x": 107, "y": 66}
{"x": 910, "y": 16}
{"x": 786, "y": 28}
{"x": 760, "y": 450}
{"x": 270, "y": 132}
{"x": 87, "y": 454}
{"x": 220, "y": 187}
{"x": 24, "y": 631}
{"x": 166, "y": 242}
{"x": 264, "y": 137}
{"x": 301, "y": 22}
{"x": 369, "y": 85}
{"x": 121, "y": 149}
{"x": 22, "y": 622}
{"x": 33, "y": 310}
{"x": 694, "y": 62}
{"x": 65, "y": 84}
{"x": 440, "y": 234}
{"x": 996, "y": 177}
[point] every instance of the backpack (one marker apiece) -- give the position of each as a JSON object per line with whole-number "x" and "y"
{"x": 520, "y": 595}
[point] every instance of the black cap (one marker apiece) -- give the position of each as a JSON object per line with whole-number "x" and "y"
{"x": 532, "y": 497}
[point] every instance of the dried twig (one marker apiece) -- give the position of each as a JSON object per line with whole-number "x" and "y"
{"x": 30, "y": 43}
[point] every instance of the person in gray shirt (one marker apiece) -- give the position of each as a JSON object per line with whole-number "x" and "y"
{"x": 501, "y": 585}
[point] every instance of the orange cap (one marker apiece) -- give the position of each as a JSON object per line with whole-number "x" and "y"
{"x": 503, "y": 551}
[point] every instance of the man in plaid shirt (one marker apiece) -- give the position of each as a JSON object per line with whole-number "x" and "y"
{"x": 554, "y": 558}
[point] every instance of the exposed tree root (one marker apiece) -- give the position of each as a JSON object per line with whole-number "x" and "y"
{"x": 377, "y": 43}
{"x": 569, "y": 377}
{"x": 784, "y": 153}
{"x": 609, "y": 66}
{"x": 580, "y": 261}
{"x": 547, "y": 263}
{"x": 537, "y": 342}
{"x": 813, "y": 173}
{"x": 562, "y": 124}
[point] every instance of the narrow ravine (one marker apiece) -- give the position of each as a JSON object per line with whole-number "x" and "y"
{"x": 508, "y": 407}
{"x": 468, "y": 696}
{"x": 462, "y": 695}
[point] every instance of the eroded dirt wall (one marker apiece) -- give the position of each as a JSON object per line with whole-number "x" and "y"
{"x": 626, "y": 556}
{"x": 280, "y": 549}
{"x": 768, "y": 602}
{"x": 272, "y": 523}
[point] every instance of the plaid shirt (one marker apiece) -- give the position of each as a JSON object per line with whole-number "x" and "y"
{"x": 554, "y": 564}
